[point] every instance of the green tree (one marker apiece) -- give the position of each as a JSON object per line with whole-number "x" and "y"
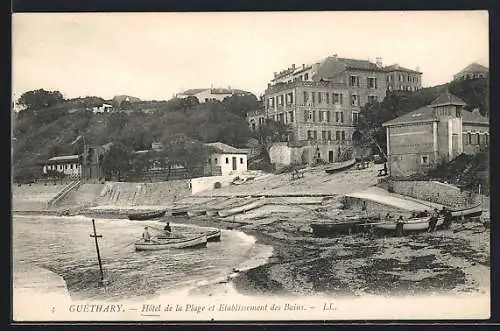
{"x": 116, "y": 162}
{"x": 40, "y": 99}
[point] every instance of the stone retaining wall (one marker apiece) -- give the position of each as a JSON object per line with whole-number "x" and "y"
{"x": 431, "y": 191}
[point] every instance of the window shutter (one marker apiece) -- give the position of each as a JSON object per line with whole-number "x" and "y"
{"x": 328, "y": 116}
{"x": 341, "y": 117}
{"x": 305, "y": 115}
{"x": 314, "y": 116}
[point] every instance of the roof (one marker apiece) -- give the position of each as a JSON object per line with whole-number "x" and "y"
{"x": 397, "y": 67}
{"x": 446, "y": 98}
{"x": 421, "y": 115}
{"x": 473, "y": 67}
{"x": 193, "y": 91}
{"x": 474, "y": 117}
{"x": 224, "y": 148}
{"x": 332, "y": 66}
{"x": 63, "y": 159}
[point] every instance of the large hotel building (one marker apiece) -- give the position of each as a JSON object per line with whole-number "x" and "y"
{"x": 321, "y": 102}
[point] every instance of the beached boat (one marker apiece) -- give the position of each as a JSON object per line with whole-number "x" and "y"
{"x": 341, "y": 166}
{"x": 238, "y": 181}
{"x": 146, "y": 215}
{"x": 230, "y": 203}
{"x": 241, "y": 209}
{"x": 173, "y": 242}
{"x": 213, "y": 235}
{"x": 196, "y": 212}
{"x": 325, "y": 229}
{"x": 472, "y": 211}
{"x": 412, "y": 224}
{"x": 179, "y": 211}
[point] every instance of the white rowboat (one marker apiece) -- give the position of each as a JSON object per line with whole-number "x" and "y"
{"x": 416, "y": 224}
{"x": 157, "y": 244}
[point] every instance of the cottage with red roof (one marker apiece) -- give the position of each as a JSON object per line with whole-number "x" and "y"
{"x": 421, "y": 139}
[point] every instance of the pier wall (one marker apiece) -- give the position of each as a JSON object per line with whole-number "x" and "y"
{"x": 33, "y": 197}
{"x": 431, "y": 191}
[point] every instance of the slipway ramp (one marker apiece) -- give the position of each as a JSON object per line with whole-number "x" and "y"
{"x": 379, "y": 195}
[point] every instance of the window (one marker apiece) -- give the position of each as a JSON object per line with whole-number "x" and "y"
{"x": 313, "y": 95}
{"x": 320, "y": 116}
{"x": 372, "y": 98}
{"x": 319, "y": 97}
{"x": 409, "y": 79}
{"x": 71, "y": 166}
{"x": 424, "y": 159}
{"x": 343, "y": 135}
{"x": 309, "y": 135}
{"x": 337, "y": 135}
{"x": 354, "y": 100}
{"x": 310, "y": 115}
{"x": 270, "y": 102}
{"x": 290, "y": 116}
{"x": 323, "y": 135}
{"x": 327, "y": 95}
{"x": 305, "y": 97}
{"x": 486, "y": 138}
{"x": 400, "y": 77}
{"x": 477, "y": 141}
{"x": 306, "y": 76}
{"x": 281, "y": 118}
{"x": 338, "y": 98}
{"x": 328, "y": 116}
{"x": 354, "y": 81}
{"x": 241, "y": 160}
{"x": 372, "y": 82}
{"x": 355, "y": 117}
{"x": 315, "y": 135}
{"x": 329, "y": 135}
{"x": 389, "y": 78}
{"x": 227, "y": 160}
{"x": 289, "y": 98}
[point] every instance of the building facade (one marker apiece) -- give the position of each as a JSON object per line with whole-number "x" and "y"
{"x": 421, "y": 139}
{"x": 104, "y": 108}
{"x": 231, "y": 160}
{"x": 403, "y": 79}
{"x": 68, "y": 165}
{"x": 475, "y": 132}
{"x": 210, "y": 94}
{"x": 321, "y": 102}
{"x": 472, "y": 71}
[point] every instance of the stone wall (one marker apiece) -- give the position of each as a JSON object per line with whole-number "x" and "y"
{"x": 202, "y": 184}
{"x": 431, "y": 191}
{"x": 372, "y": 209}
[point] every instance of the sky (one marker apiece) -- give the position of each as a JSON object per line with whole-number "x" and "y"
{"x": 152, "y": 56}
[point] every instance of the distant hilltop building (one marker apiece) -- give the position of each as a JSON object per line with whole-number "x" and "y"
{"x": 321, "y": 102}
{"x": 403, "y": 79}
{"x": 211, "y": 94}
{"x": 472, "y": 71}
{"x": 420, "y": 140}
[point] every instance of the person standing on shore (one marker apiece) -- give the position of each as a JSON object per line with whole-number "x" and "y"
{"x": 399, "y": 227}
{"x": 167, "y": 229}
{"x": 145, "y": 235}
{"x": 433, "y": 221}
{"x": 447, "y": 219}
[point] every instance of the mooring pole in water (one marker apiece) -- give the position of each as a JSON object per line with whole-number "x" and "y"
{"x": 95, "y": 236}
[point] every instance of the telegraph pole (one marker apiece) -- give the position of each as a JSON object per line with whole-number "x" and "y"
{"x": 95, "y": 236}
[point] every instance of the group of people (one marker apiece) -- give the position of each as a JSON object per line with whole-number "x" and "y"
{"x": 146, "y": 236}
{"x": 434, "y": 217}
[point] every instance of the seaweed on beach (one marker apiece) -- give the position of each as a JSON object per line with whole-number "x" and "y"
{"x": 458, "y": 248}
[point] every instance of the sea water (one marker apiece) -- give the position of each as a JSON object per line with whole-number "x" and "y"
{"x": 64, "y": 246}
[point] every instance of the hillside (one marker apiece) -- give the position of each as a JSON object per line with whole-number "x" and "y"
{"x": 43, "y": 133}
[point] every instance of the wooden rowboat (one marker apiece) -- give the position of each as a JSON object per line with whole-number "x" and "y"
{"x": 472, "y": 211}
{"x": 146, "y": 216}
{"x": 164, "y": 243}
{"x": 340, "y": 167}
{"x": 325, "y": 229}
{"x": 414, "y": 224}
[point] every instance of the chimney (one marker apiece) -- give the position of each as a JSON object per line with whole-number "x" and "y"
{"x": 379, "y": 62}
